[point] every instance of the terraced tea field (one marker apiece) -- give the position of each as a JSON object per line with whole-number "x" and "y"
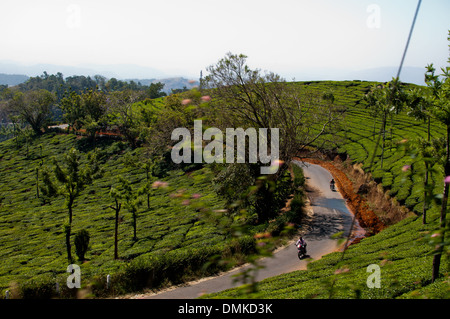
{"x": 31, "y": 234}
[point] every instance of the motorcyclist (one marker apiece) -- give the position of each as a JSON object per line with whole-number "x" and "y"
{"x": 301, "y": 243}
{"x": 332, "y": 184}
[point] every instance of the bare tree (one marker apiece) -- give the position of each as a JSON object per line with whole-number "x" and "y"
{"x": 249, "y": 98}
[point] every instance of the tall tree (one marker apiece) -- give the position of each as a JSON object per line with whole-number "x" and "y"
{"x": 419, "y": 106}
{"x": 265, "y": 100}
{"x": 95, "y": 116}
{"x": 72, "y": 106}
{"x": 125, "y": 115}
{"x": 385, "y": 101}
{"x": 131, "y": 201}
{"x": 249, "y": 98}
{"x": 117, "y": 196}
{"x": 155, "y": 90}
{"x": 430, "y": 152}
{"x": 72, "y": 178}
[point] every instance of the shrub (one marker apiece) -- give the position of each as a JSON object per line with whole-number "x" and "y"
{"x": 81, "y": 243}
{"x": 299, "y": 178}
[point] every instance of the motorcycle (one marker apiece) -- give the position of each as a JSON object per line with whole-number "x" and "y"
{"x": 332, "y": 187}
{"x": 301, "y": 249}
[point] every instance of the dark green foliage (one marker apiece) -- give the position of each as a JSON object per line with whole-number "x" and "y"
{"x": 299, "y": 177}
{"x": 33, "y": 108}
{"x": 78, "y": 83}
{"x": 155, "y": 90}
{"x": 39, "y": 287}
{"x": 81, "y": 241}
{"x": 244, "y": 188}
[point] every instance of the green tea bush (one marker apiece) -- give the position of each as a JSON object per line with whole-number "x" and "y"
{"x": 81, "y": 243}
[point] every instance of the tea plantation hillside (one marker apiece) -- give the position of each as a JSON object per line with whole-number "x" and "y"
{"x": 174, "y": 242}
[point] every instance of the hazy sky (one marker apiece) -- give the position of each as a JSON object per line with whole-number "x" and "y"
{"x": 184, "y": 36}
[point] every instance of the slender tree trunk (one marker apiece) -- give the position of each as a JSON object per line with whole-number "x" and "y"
{"x": 69, "y": 247}
{"x": 425, "y": 203}
{"x": 148, "y": 183}
{"x": 384, "y": 139}
{"x": 37, "y": 182}
{"x": 443, "y": 219}
{"x": 374, "y": 125}
{"x": 69, "y": 230}
{"x": 70, "y": 211}
{"x": 116, "y": 230}
{"x": 68, "y": 233}
{"x": 425, "y": 197}
{"x": 134, "y": 226}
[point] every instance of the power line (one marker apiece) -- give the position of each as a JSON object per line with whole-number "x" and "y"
{"x": 409, "y": 38}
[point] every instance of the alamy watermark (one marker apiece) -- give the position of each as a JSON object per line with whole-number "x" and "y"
{"x": 374, "y": 279}
{"x": 73, "y": 20}
{"x": 374, "y": 19}
{"x": 257, "y": 146}
{"x": 74, "y": 280}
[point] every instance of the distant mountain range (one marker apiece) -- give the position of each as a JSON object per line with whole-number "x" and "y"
{"x": 12, "y": 79}
{"x": 119, "y": 71}
{"x": 13, "y": 73}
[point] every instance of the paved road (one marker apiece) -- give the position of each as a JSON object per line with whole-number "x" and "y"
{"x": 331, "y": 216}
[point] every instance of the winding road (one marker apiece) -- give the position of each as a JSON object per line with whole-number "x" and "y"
{"x": 330, "y": 216}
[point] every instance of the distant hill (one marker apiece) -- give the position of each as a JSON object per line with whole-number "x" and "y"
{"x": 12, "y": 79}
{"x": 119, "y": 71}
{"x": 169, "y": 83}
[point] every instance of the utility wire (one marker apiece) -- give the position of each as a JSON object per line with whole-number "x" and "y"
{"x": 409, "y": 38}
{"x": 398, "y": 75}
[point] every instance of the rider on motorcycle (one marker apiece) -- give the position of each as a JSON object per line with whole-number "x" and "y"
{"x": 301, "y": 244}
{"x": 332, "y": 184}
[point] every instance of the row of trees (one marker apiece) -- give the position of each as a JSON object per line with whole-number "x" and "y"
{"x": 93, "y": 110}
{"x": 430, "y": 103}
{"x": 57, "y": 84}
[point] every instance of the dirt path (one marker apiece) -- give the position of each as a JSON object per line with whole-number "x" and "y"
{"x": 330, "y": 216}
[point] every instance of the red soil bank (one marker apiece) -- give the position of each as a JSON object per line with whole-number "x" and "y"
{"x": 357, "y": 204}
